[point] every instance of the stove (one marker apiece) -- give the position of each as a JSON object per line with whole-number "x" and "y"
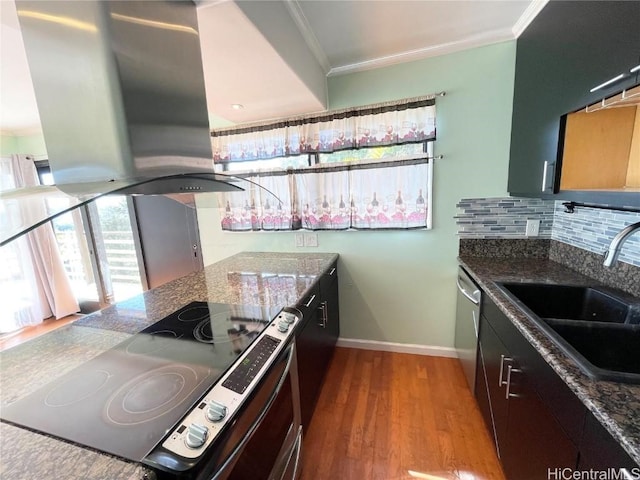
{"x": 125, "y": 400}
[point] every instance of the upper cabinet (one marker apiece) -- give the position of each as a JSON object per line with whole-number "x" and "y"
{"x": 570, "y": 48}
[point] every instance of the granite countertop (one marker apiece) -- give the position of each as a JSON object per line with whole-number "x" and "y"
{"x": 615, "y": 405}
{"x": 250, "y": 278}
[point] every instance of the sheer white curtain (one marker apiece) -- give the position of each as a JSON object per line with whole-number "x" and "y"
{"x": 33, "y": 282}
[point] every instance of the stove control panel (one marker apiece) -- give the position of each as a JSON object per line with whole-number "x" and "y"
{"x": 202, "y": 425}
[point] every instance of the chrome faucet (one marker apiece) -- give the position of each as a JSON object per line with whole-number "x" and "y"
{"x": 611, "y": 255}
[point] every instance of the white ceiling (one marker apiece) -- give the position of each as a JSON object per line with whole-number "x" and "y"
{"x": 273, "y": 57}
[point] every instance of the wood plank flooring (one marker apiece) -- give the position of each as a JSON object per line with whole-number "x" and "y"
{"x": 392, "y": 416}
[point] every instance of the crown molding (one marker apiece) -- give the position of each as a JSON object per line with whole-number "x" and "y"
{"x": 307, "y": 33}
{"x": 534, "y": 8}
{"x": 486, "y": 38}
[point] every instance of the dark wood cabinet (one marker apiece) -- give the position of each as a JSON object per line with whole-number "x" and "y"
{"x": 494, "y": 354}
{"x": 538, "y": 423}
{"x": 481, "y": 392}
{"x": 600, "y": 451}
{"x": 529, "y": 437}
{"x": 316, "y": 339}
{"x": 535, "y": 442}
{"x": 569, "y": 48}
{"x": 329, "y": 320}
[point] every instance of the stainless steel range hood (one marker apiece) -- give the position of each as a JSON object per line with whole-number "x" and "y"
{"x": 121, "y": 95}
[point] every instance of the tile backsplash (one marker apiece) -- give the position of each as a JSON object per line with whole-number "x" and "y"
{"x": 590, "y": 229}
{"x": 504, "y": 217}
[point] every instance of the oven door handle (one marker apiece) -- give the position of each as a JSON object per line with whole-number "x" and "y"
{"x": 230, "y": 462}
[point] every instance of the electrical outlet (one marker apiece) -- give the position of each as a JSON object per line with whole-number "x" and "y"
{"x": 310, "y": 239}
{"x": 533, "y": 228}
{"x": 299, "y": 239}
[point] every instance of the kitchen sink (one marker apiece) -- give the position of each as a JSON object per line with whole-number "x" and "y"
{"x": 597, "y": 329}
{"x": 572, "y": 302}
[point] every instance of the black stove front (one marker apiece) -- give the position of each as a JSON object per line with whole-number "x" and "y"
{"x": 125, "y": 400}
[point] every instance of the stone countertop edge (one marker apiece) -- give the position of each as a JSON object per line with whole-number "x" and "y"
{"x": 615, "y": 405}
{"x": 35, "y": 455}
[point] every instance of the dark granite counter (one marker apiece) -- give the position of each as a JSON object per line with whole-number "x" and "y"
{"x": 266, "y": 279}
{"x": 615, "y": 405}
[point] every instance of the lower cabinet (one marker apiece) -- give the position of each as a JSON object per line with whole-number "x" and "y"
{"x": 600, "y": 451}
{"x": 316, "y": 339}
{"x": 535, "y": 442}
{"x": 529, "y": 439}
{"x": 539, "y": 425}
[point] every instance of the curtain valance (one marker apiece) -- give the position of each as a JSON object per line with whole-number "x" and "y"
{"x": 411, "y": 120}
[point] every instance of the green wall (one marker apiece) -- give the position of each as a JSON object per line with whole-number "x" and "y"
{"x": 28, "y": 144}
{"x": 400, "y": 286}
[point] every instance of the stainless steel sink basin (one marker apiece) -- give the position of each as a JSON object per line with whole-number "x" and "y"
{"x": 597, "y": 329}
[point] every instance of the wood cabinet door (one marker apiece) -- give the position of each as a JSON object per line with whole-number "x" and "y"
{"x": 535, "y": 443}
{"x": 309, "y": 347}
{"x": 496, "y": 357}
{"x": 600, "y": 451}
{"x": 329, "y": 313}
{"x": 482, "y": 396}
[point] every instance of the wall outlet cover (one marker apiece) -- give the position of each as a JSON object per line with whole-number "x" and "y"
{"x": 299, "y": 239}
{"x": 310, "y": 239}
{"x": 533, "y": 228}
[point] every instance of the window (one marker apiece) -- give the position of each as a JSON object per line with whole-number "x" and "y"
{"x": 385, "y": 192}
{"x": 364, "y": 168}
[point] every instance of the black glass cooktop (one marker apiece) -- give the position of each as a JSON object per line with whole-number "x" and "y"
{"x": 124, "y": 400}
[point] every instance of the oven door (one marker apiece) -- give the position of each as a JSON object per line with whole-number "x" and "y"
{"x": 263, "y": 441}
{"x": 272, "y": 445}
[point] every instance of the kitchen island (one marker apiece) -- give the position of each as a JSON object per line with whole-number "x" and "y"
{"x": 615, "y": 405}
{"x": 260, "y": 279}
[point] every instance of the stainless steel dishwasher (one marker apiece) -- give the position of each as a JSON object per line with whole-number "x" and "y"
{"x": 467, "y": 322}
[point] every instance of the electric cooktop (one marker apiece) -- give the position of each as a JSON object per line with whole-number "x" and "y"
{"x": 125, "y": 400}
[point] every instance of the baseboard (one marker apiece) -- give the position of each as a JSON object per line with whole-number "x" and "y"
{"x": 398, "y": 347}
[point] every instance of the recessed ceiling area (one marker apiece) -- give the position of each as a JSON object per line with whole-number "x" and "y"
{"x": 274, "y": 56}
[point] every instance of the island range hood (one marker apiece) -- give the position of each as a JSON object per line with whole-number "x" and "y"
{"x": 121, "y": 95}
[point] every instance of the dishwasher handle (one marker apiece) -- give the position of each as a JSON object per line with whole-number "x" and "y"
{"x": 469, "y": 296}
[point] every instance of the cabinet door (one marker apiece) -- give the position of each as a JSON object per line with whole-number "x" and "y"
{"x": 600, "y": 451}
{"x": 569, "y": 48}
{"x": 329, "y": 319}
{"x": 481, "y": 392}
{"x": 535, "y": 442}
{"x": 309, "y": 347}
{"x": 495, "y": 357}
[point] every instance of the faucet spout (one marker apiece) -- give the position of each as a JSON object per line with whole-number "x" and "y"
{"x": 611, "y": 255}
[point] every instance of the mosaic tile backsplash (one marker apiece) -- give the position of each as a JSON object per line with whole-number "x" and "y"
{"x": 503, "y": 217}
{"x": 590, "y": 229}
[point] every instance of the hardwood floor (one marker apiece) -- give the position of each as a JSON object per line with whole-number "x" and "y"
{"x": 395, "y": 416}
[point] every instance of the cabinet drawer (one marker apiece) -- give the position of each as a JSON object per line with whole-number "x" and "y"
{"x": 567, "y": 407}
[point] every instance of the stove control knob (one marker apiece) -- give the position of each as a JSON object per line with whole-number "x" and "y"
{"x": 196, "y": 435}
{"x": 283, "y": 326}
{"x": 216, "y": 411}
{"x": 289, "y": 317}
